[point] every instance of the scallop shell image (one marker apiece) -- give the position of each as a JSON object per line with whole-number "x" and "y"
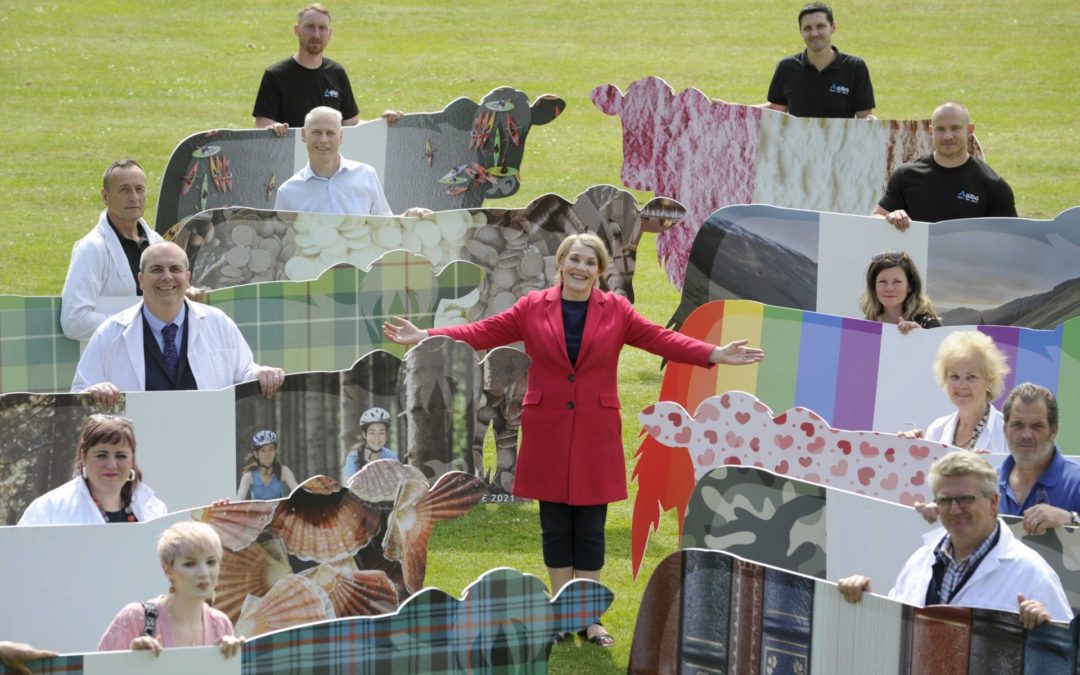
{"x": 317, "y": 524}
{"x": 239, "y": 523}
{"x": 355, "y": 592}
{"x": 293, "y": 601}
{"x": 320, "y": 485}
{"x": 250, "y": 571}
{"x": 416, "y": 510}
{"x": 379, "y": 481}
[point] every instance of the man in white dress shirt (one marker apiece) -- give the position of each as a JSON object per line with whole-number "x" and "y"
{"x": 331, "y": 183}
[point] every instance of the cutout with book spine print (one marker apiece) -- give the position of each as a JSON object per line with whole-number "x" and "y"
{"x": 711, "y": 611}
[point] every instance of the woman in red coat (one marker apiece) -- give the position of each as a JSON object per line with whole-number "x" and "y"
{"x": 571, "y": 458}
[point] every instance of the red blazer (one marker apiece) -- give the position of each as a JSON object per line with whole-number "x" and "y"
{"x": 571, "y": 447}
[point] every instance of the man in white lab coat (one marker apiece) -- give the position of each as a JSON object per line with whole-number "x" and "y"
{"x": 105, "y": 262}
{"x": 977, "y": 562}
{"x": 166, "y": 342}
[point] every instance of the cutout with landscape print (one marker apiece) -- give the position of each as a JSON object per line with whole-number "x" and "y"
{"x": 504, "y": 617}
{"x": 514, "y": 247}
{"x": 194, "y": 447}
{"x": 714, "y": 612}
{"x": 322, "y": 324}
{"x": 859, "y": 374}
{"x": 708, "y": 154}
{"x": 451, "y": 159}
{"x": 995, "y": 271}
{"x": 829, "y": 533}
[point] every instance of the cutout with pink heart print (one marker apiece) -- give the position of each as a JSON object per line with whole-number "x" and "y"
{"x": 839, "y": 469}
{"x": 708, "y": 412}
{"x": 683, "y": 436}
{"x": 857, "y": 461}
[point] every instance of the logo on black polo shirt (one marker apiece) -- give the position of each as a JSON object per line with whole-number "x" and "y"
{"x": 331, "y": 93}
{"x": 839, "y": 89}
{"x": 968, "y": 197}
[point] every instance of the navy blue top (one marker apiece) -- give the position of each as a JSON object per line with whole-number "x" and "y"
{"x": 573, "y": 321}
{"x": 1058, "y": 486}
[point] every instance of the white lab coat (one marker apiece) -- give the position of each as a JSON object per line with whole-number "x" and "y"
{"x": 992, "y": 437}
{"x": 98, "y": 268}
{"x": 216, "y": 351}
{"x": 72, "y": 504}
{"x": 1009, "y": 568}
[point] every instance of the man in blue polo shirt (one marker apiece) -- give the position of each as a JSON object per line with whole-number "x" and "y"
{"x": 821, "y": 81}
{"x": 1037, "y": 481}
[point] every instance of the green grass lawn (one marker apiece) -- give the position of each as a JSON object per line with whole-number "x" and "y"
{"x": 86, "y": 82}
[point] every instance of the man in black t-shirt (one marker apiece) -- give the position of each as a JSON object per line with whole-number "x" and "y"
{"x": 294, "y": 86}
{"x": 821, "y": 81}
{"x": 947, "y": 184}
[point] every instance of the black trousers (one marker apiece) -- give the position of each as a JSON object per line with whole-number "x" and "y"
{"x": 573, "y": 536}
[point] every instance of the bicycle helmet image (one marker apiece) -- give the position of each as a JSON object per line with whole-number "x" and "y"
{"x": 374, "y": 415}
{"x": 264, "y": 437}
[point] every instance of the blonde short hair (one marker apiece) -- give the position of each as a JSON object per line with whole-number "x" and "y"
{"x": 603, "y": 258}
{"x": 979, "y": 347}
{"x": 965, "y": 463}
{"x": 185, "y": 536}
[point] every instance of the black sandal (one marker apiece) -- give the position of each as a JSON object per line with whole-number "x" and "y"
{"x": 605, "y": 639}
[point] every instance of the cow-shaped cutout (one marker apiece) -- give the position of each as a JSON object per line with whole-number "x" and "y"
{"x": 708, "y": 611}
{"x": 322, "y": 324}
{"x": 451, "y": 159}
{"x": 515, "y": 247}
{"x": 995, "y": 271}
{"x": 708, "y": 154}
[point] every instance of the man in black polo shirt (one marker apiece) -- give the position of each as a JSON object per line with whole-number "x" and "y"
{"x": 294, "y": 86}
{"x": 821, "y": 81}
{"x": 948, "y": 183}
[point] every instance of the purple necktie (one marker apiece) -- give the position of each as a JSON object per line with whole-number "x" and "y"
{"x": 172, "y": 357}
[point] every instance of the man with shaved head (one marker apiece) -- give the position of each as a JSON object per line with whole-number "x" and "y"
{"x": 948, "y": 183}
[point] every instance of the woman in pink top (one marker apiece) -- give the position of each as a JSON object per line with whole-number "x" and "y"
{"x": 190, "y": 554}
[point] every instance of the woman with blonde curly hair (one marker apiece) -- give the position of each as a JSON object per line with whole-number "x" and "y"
{"x": 971, "y": 370}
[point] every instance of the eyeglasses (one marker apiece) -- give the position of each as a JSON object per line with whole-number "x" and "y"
{"x": 963, "y": 501}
